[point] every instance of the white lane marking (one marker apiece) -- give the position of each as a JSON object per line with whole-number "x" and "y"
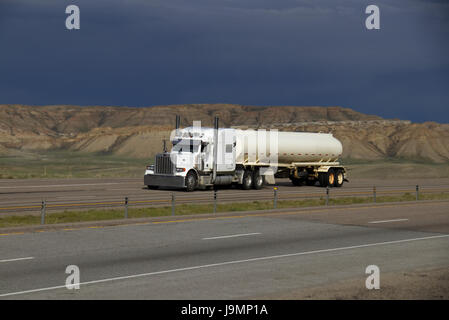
{"x": 16, "y": 259}
{"x": 226, "y": 263}
{"x": 232, "y": 236}
{"x": 61, "y": 185}
{"x": 385, "y": 221}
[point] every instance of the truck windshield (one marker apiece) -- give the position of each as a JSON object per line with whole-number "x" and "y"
{"x": 186, "y": 145}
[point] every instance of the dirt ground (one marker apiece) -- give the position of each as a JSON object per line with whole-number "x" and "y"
{"x": 425, "y": 284}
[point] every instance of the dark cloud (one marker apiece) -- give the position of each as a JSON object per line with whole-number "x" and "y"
{"x": 259, "y": 52}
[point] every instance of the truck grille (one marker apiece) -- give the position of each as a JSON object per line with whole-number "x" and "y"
{"x": 164, "y": 164}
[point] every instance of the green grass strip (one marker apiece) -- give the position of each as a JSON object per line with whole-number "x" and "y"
{"x": 188, "y": 209}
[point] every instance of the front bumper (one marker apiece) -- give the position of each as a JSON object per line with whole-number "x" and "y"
{"x": 161, "y": 180}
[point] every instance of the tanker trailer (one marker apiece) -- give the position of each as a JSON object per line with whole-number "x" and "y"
{"x": 301, "y": 156}
{"x": 205, "y": 157}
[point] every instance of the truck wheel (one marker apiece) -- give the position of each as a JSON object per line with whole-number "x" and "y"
{"x": 296, "y": 182}
{"x": 258, "y": 180}
{"x": 327, "y": 179}
{"x": 191, "y": 181}
{"x": 247, "y": 180}
{"x": 330, "y": 178}
{"x": 339, "y": 178}
{"x": 322, "y": 178}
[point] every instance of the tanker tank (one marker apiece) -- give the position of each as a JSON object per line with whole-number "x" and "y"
{"x": 292, "y": 147}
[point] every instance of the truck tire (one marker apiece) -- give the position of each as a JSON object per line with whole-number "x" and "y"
{"x": 258, "y": 180}
{"x": 339, "y": 178}
{"x": 296, "y": 182}
{"x": 322, "y": 179}
{"x": 327, "y": 179}
{"x": 247, "y": 181}
{"x": 191, "y": 181}
{"x": 330, "y": 178}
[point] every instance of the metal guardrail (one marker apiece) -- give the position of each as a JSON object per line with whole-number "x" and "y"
{"x": 274, "y": 195}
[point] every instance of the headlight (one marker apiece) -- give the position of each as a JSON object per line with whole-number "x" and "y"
{"x": 180, "y": 169}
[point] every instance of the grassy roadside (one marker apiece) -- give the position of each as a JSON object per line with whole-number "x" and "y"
{"x": 188, "y": 209}
{"x": 68, "y": 165}
{"x": 396, "y": 169}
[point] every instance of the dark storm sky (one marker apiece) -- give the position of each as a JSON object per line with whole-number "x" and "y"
{"x": 252, "y": 52}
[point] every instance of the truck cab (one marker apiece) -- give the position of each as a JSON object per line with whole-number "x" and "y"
{"x": 190, "y": 161}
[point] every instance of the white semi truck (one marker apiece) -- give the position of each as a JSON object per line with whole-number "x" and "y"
{"x": 206, "y": 157}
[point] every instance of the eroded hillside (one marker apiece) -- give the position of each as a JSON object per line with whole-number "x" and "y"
{"x": 138, "y": 132}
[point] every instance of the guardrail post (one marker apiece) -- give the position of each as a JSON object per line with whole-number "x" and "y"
{"x": 275, "y": 199}
{"x": 215, "y": 201}
{"x": 417, "y": 192}
{"x": 126, "y": 207}
{"x": 43, "y": 207}
{"x": 327, "y": 195}
{"x": 374, "y": 194}
{"x": 173, "y": 204}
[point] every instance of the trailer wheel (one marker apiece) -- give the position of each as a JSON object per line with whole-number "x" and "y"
{"x": 327, "y": 179}
{"x": 296, "y": 182}
{"x": 330, "y": 178}
{"x": 322, "y": 179}
{"x": 258, "y": 180}
{"x": 191, "y": 181}
{"x": 339, "y": 178}
{"x": 247, "y": 180}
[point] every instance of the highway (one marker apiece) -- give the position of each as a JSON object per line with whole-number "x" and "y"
{"x": 25, "y": 196}
{"x": 226, "y": 257}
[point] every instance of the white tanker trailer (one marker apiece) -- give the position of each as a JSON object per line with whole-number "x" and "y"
{"x": 206, "y": 157}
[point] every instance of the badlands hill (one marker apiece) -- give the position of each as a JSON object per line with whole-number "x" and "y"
{"x": 138, "y": 132}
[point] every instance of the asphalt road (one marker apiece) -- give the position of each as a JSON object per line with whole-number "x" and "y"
{"x": 226, "y": 257}
{"x": 18, "y": 196}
